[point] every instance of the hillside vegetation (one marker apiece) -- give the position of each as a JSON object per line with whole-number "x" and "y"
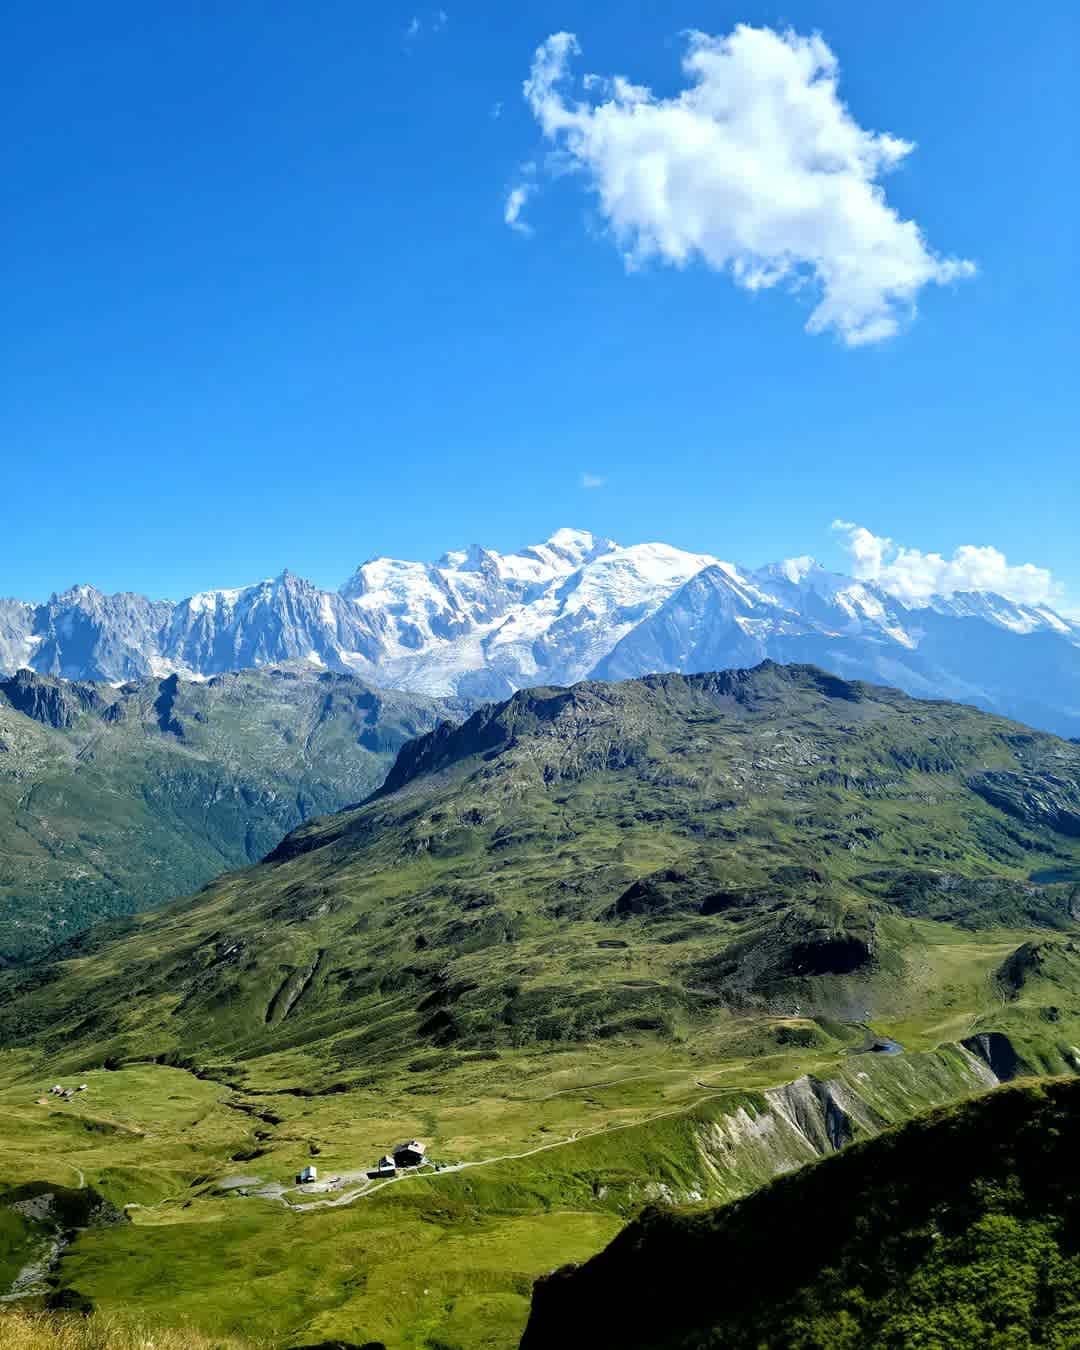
{"x": 115, "y": 799}
{"x": 606, "y": 860}
{"x": 597, "y": 947}
{"x": 957, "y": 1230}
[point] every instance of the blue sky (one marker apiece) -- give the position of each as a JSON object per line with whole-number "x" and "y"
{"x": 262, "y": 308}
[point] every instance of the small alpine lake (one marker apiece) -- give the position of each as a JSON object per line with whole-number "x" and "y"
{"x": 1054, "y": 876}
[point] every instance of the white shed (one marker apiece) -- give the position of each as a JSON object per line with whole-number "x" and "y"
{"x": 308, "y": 1173}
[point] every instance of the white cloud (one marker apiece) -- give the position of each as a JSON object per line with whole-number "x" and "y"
{"x": 515, "y": 204}
{"x": 495, "y": 111}
{"x": 914, "y": 576}
{"x": 592, "y": 480}
{"x": 757, "y": 168}
{"x": 416, "y": 25}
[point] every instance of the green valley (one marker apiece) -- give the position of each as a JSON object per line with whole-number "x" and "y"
{"x": 597, "y": 947}
{"x": 115, "y": 799}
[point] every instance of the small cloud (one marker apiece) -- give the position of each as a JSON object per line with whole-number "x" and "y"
{"x": 592, "y": 480}
{"x": 496, "y": 111}
{"x": 515, "y": 204}
{"x": 914, "y": 576}
{"x": 416, "y": 26}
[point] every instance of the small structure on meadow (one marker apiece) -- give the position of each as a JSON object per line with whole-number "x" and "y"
{"x": 385, "y": 1167}
{"x": 409, "y": 1154}
{"x": 307, "y": 1174}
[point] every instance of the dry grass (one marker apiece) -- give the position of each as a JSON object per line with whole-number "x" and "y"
{"x": 20, "y": 1330}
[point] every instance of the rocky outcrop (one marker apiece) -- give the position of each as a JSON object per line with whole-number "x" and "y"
{"x": 998, "y": 1053}
{"x": 56, "y": 703}
{"x": 1036, "y": 798}
{"x": 48, "y": 1216}
{"x": 812, "y": 1117}
{"x": 827, "y": 1114}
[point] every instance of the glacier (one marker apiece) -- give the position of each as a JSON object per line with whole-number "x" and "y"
{"x": 479, "y": 624}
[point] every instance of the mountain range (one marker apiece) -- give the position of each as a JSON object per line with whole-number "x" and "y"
{"x": 115, "y": 799}
{"x": 482, "y": 624}
{"x": 651, "y": 940}
{"x": 748, "y": 839}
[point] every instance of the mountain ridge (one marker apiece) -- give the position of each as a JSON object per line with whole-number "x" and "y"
{"x": 114, "y": 799}
{"x": 480, "y": 624}
{"x": 762, "y": 838}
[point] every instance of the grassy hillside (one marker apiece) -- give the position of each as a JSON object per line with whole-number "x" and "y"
{"x": 957, "y": 1230}
{"x": 597, "y": 947}
{"x": 647, "y": 858}
{"x": 113, "y": 800}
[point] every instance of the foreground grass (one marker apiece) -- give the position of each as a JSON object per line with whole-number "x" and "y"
{"x": 21, "y": 1330}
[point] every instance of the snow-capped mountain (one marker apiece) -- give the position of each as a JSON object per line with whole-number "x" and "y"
{"x": 481, "y": 624}
{"x": 485, "y": 624}
{"x": 82, "y": 631}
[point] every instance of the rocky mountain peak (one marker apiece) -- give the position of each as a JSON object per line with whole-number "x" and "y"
{"x": 479, "y": 624}
{"x": 54, "y": 702}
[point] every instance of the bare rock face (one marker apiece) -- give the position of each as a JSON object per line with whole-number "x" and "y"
{"x": 56, "y": 703}
{"x": 50, "y": 1217}
{"x": 1036, "y": 798}
{"x": 84, "y": 634}
{"x": 998, "y": 1053}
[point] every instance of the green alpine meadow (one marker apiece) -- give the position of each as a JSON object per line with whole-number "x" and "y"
{"x": 590, "y": 963}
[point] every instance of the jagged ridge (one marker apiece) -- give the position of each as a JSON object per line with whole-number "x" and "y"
{"x": 482, "y": 624}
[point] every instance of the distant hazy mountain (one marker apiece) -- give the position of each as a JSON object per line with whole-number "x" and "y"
{"x": 483, "y": 624}
{"x": 115, "y": 799}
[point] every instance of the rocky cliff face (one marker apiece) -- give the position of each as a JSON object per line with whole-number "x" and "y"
{"x": 83, "y": 634}
{"x": 1035, "y": 798}
{"x": 56, "y": 703}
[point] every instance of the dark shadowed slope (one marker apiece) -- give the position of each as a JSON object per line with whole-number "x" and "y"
{"x": 957, "y": 1230}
